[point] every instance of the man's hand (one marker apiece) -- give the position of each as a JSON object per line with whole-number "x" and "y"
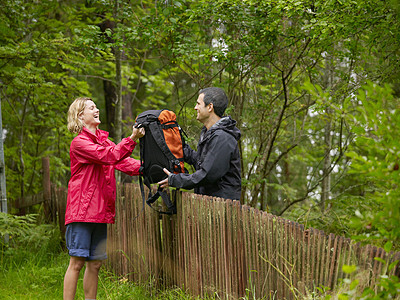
{"x": 164, "y": 183}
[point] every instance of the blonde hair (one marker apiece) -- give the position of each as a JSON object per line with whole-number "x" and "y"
{"x": 77, "y": 107}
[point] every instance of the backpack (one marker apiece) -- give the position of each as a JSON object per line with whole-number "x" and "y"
{"x": 160, "y": 147}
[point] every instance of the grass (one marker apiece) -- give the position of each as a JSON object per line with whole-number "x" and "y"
{"x": 37, "y": 279}
{"x": 38, "y": 276}
{"x": 33, "y": 277}
{"x": 33, "y": 265}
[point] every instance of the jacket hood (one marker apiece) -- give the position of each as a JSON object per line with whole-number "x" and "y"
{"x": 228, "y": 125}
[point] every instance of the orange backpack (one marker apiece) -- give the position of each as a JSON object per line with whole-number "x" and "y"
{"x": 161, "y": 147}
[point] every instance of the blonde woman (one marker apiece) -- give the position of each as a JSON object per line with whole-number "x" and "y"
{"x": 91, "y": 193}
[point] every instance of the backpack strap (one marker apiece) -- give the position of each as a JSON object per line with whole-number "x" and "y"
{"x": 152, "y": 198}
{"x": 170, "y": 205}
{"x": 170, "y": 124}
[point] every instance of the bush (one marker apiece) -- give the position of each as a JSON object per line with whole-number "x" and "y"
{"x": 21, "y": 238}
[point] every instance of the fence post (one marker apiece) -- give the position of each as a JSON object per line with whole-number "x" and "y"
{"x": 46, "y": 188}
{"x": 3, "y": 204}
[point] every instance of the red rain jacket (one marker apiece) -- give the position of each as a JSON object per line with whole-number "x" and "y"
{"x": 92, "y": 186}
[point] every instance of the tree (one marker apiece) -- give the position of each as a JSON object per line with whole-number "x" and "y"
{"x": 290, "y": 68}
{"x": 36, "y": 66}
{"x": 375, "y": 163}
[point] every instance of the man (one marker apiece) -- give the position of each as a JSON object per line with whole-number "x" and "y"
{"x": 217, "y": 160}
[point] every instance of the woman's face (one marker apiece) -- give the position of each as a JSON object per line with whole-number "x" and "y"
{"x": 90, "y": 115}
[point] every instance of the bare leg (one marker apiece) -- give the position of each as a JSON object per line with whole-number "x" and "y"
{"x": 91, "y": 278}
{"x": 71, "y": 276}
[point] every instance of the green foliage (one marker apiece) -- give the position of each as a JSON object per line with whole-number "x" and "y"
{"x": 333, "y": 220}
{"x": 16, "y": 225}
{"x": 366, "y": 203}
{"x": 387, "y": 287}
{"x": 21, "y": 235}
{"x": 38, "y": 58}
{"x": 290, "y": 68}
{"x": 374, "y": 162}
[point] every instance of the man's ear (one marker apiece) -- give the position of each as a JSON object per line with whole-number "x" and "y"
{"x": 210, "y": 107}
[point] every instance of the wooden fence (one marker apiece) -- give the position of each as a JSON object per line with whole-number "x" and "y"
{"x": 219, "y": 246}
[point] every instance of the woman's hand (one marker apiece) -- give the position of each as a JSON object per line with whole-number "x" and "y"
{"x": 137, "y": 133}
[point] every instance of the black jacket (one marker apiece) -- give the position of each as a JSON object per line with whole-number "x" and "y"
{"x": 217, "y": 162}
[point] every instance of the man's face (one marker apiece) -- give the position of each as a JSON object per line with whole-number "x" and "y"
{"x": 203, "y": 111}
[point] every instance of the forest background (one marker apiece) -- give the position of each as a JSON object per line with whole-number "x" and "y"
{"x": 313, "y": 86}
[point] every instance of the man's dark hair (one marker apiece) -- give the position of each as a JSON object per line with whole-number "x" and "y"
{"x": 217, "y": 97}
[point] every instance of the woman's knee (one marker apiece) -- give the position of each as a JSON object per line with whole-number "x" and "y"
{"x": 94, "y": 264}
{"x": 76, "y": 263}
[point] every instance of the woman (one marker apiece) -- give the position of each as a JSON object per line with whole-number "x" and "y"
{"x": 91, "y": 193}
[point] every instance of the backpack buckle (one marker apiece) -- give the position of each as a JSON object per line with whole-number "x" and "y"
{"x": 176, "y": 165}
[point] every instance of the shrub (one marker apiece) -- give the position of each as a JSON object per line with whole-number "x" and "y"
{"x": 22, "y": 236}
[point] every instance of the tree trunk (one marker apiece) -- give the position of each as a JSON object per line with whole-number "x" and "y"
{"x": 110, "y": 92}
{"x": 118, "y": 102}
{"x": 20, "y": 151}
{"x": 110, "y": 99}
{"x": 326, "y": 181}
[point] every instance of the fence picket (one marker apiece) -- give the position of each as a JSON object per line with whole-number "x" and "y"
{"x": 212, "y": 258}
{"x": 333, "y": 252}
{"x": 180, "y": 244}
{"x": 290, "y": 234}
{"x": 317, "y": 263}
{"x": 232, "y": 251}
{"x": 313, "y": 245}
{"x": 270, "y": 289}
{"x": 203, "y": 247}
